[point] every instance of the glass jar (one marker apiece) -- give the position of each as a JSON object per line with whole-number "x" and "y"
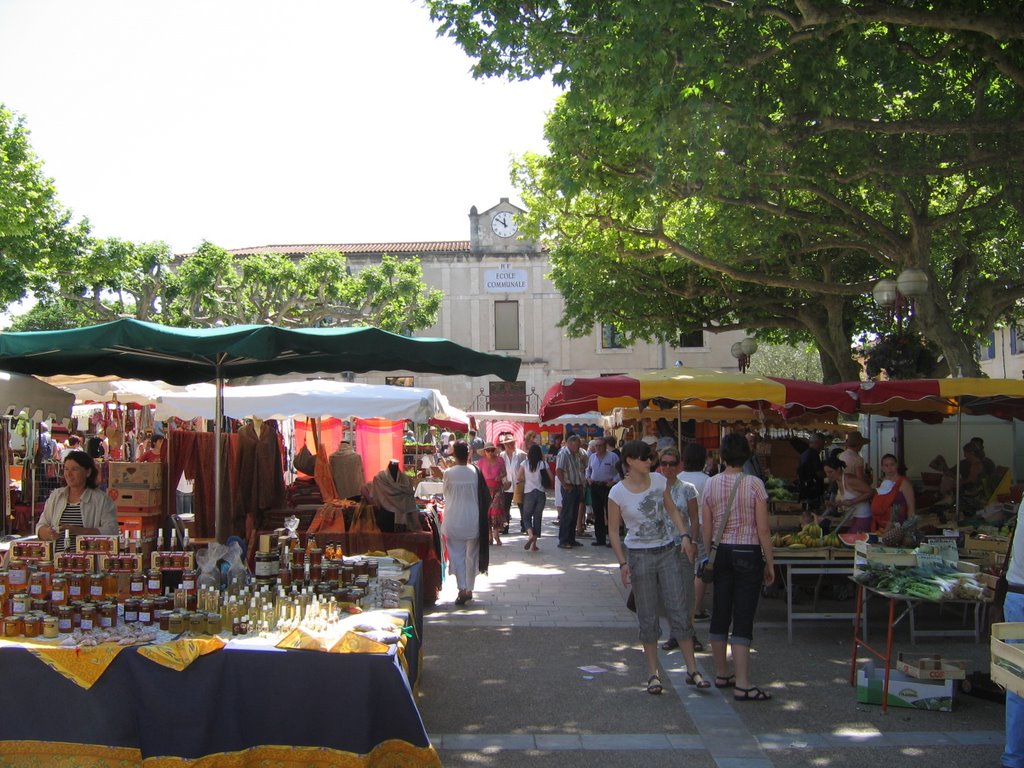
{"x": 76, "y": 586}
{"x": 64, "y": 620}
{"x": 146, "y": 612}
{"x": 59, "y": 590}
{"x": 189, "y": 580}
{"x": 214, "y": 623}
{"x": 267, "y": 565}
{"x": 20, "y": 602}
{"x": 50, "y": 627}
{"x": 314, "y": 556}
{"x": 154, "y": 583}
{"x": 108, "y": 615}
{"x": 315, "y": 570}
{"x": 88, "y": 620}
{"x": 131, "y": 610}
{"x": 137, "y": 584}
{"x": 17, "y": 575}
{"x": 298, "y": 572}
{"x": 37, "y": 584}
{"x": 372, "y": 568}
{"x": 13, "y": 626}
{"x": 197, "y": 623}
{"x": 284, "y": 576}
{"x": 96, "y": 586}
{"x": 175, "y": 622}
{"x": 32, "y": 625}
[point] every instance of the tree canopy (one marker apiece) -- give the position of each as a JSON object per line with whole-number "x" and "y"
{"x": 761, "y": 164}
{"x": 116, "y": 278}
{"x": 34, "y": 227}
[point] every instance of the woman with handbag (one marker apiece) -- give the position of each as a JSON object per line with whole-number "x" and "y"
{"x": 651, "y": 560}
{"x": 492, "y": 467}
{"x": 740, "y": 560}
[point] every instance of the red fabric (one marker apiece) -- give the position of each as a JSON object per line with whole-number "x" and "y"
{"x": 378, "y": 441}
{"x": 192, "y": 452}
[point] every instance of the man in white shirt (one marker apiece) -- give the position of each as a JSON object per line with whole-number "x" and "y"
{"x": 512, "y": 457}
{"x": 602, "y": 474}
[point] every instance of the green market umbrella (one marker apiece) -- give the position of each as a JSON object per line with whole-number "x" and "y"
{"x": 138, "y": 349}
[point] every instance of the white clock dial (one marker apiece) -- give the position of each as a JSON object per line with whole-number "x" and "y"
{"x": 504, "y": 224}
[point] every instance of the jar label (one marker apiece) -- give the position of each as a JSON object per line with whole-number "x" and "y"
{"x": 36, "y": 589}
{"x": 75, "y": 591}
{"x": 137, "y": 586}
{"x": 86, "y": 624}
{"x": 188, "y": 584}
{"x": 96, "y": 590}
{"x": 106, "y": 622}
{"x": 57, "y": 595}
{"x": 145, "y": 617}
{"x": 154, "y": 585}
{"x": 131, "y": 615}
{"x": 64, "y": 624}
{"x": 17, "y": 578}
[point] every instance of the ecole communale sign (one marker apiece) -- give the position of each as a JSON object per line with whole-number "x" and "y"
{"x": 505, "y": 279}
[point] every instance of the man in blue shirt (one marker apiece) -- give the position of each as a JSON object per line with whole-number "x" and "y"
{"x": 602, "y": 474}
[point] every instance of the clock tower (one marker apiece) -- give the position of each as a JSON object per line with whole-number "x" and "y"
{"x": 496, "y": 230}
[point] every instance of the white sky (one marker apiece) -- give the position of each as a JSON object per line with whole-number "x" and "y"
{"x": 259, "y": 122}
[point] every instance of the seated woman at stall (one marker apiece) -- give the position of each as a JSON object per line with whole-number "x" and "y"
{"x": 77, "y": 508}
{"x": 894, "y": 498}
{"x": 853, "y": 496}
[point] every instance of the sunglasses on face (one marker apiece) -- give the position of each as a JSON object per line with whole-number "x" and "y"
{"x": 670, "y": 463}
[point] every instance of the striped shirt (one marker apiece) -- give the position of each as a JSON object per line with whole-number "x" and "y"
{"x": 741, "y": 527}
{"x": 72, "y": 515}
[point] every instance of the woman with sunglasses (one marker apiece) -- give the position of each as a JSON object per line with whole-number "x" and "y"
{"x": 650, "y": 559}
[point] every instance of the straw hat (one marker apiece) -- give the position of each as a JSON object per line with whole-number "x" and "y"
{"x": 487, "y": 447}
{"x": 506, "y": 439}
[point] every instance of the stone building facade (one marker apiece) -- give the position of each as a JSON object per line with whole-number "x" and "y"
{"x": 497, "y": 298}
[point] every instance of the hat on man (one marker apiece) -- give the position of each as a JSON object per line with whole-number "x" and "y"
{"x": 507, "y": 438}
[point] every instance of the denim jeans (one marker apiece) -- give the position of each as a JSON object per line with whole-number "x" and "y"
{"x": 739, "y": 572}
{"x": 1013, "y": 754}
{"x": 567, "y": 519}
{"x": 533, "y": 510}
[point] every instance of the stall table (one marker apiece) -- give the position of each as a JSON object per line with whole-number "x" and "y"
{"x": 818, "y": 562}
{"x": 245, "y": 704}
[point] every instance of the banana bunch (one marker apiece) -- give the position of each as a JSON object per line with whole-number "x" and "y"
{"x": 832, "y": 540}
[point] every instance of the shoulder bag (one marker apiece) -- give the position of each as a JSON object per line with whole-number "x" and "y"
{"x": 707, "y": 568}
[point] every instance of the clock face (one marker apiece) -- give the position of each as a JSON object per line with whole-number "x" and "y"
{"x": 504, "y": 224}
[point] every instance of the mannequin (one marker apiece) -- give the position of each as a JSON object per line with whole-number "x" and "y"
{"x": 395, "y": 499}
{"x": 347, "y": 470}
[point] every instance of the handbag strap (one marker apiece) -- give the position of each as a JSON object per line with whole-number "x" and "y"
{"x": 721, "y": 525}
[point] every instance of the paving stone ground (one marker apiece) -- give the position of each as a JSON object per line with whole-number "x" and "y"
{"x": 543, "y": 668}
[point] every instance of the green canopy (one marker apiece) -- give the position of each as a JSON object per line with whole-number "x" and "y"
{"x": 137, "y": 349}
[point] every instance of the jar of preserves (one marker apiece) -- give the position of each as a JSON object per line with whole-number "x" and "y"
{"x": 154, "y": 582}
{"x": 17, "y": 575}
{"x": 284, "y": 576}
{"x": 372, "y": 568}
{"x": 96, "y": 586}
{"x": 298, "y": 572}
{"x": 131, "y": 610}
{"x": 189, "y": 580}
{"x": 298, "y": 555}
{"x": 13, "y": 626}
{"x": 59, "y": 590}
{"x": 197, "y": 623}
{"x": 267, "y": 565}
{"x": 176, "y": 622}
{"x": 315, "y": 570}
{"x": 37, "y": 584}
{"x": 50, "y": 627}
{"x": 64, "y": 620}
{"x": 76, "y": 586}
{"x": 332, "y": 570}
{"x": 314, "y": 556}
{"x": 32, "y": 625}
{"x": 88, "y": 620}
{"x": 108, "y": 615}
{"x": 146, "y": 612}
{"x": 20, "y": 603}
{"x": 214, "y": 623}
{"x": 137, "y": 584}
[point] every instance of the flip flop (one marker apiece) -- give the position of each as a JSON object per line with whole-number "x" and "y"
{"x": 751, "y": 694}
{"x": 654, "y": 685}
{"x": 730, "y": 681}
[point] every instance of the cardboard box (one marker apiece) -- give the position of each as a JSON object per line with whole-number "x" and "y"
{"x": 148, "y": 523}
{"x": 127, "y": 496}
{"x": 904, "y": 690}
{"x": 932, "y": 667}
{"x": 1007, "y": 665}
{"x": 784, "y": 522}
{"x": 876, "y": 555}
{"x": 140, "y": 474}
{"x": 999, "y": 545}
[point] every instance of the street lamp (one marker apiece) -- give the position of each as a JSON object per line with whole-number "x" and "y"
{"x": 899, "y": 294}
{"x": 742, "y": 350}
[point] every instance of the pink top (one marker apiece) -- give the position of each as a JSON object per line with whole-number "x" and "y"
{"x": 742, "y": 525}
{"x": 493, "y": 472}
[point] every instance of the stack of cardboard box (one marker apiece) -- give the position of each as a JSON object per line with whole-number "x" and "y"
{"x": 137, "y": 489}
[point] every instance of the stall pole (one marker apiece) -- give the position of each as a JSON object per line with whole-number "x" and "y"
{"x": 221, "y": 524}
{"x": 5, "y": 442}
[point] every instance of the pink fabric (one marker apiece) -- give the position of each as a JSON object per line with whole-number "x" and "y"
{"x": 332, "y": 432}
{"x": 742, "y": 525}
{"x": 496, "y": 428}
{"x": 378, "y": 441}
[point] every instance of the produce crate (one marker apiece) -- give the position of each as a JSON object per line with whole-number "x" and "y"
{"x": 127, "y": 496}
{"x": 137, "y": 474}
{"x": 877, "y": 555}
{"x": 146, "y": 522}
{"x": 810, "y": 553}
{"x": 933, "y": 667}
{"x": 904, "y": 690}
{"x": 1007, "y": 666}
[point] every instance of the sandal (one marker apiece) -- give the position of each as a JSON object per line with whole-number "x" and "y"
{"x": 728, "y": 681}
{"x": 697, "y": 679}
{"x": 698, "y": 646}
{"x": 654, "y": 685}
{"x": 752, "y": 694}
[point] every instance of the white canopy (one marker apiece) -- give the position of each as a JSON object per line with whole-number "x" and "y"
{"x": 109, "y": 389}
{"x": 309, "y": 399}
{"x": 37, "y": 398}
{"x": 581, "y": 418}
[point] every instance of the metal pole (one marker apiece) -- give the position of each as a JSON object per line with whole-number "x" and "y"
{"x": 5, "y": 443}
{"x": 221, "y": 525}
{"x": 956, "y": 463}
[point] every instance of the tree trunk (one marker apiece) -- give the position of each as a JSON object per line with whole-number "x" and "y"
{"x": 833, "y": 339}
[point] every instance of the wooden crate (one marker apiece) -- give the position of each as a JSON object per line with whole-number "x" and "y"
{"x": 1007, "y": 659}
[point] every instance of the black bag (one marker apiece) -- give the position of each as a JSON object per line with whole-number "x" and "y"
{"x": 631, "y": 601}
{"x": 706, "y": 571}
{"x": 545, "y": 479}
